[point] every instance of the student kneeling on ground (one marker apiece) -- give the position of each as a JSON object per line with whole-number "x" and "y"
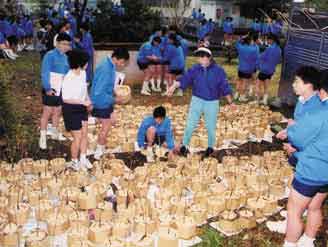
{"x": 209, "y": 83}
{"x": 76, "y": 103}
{"x": 156, "y": 129}
{"x": 102, "y": 94}
{"x": 309, "y": 136}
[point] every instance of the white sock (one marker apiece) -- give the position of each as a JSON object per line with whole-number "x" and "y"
{"x": 83, "y": 157}
{"x": 152, "y": 81}
{"x": 43, "y": 133}
{"x": 100, "y": 147}
{"x": 289, "y": 244}
{"x": 306, "y": 240}
{"x": 75, "y": 160}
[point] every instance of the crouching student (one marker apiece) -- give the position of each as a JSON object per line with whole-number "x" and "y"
{"x": 209, "y": 83}
{"x": 309, "y": 136}
{"x": 176, "y": 59}
{"x": 156, "y": 130}
{"x": 76, "y": 103}
{"x": 102, "y": 94}
{"x": 305, "y": 86}
{"x": 54, "y": 68}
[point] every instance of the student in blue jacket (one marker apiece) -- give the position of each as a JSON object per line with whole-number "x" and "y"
{"x": 145, "y": 59}
{"x": 203, "y": 30}
{"x": 102, "y": 94}
{"x": 310, "y": 185}
{"x": 156, "y": 130}
{"x": 86, "y": 44}
{"x": 175, "y": 56}
{"x": 267, "y": 64}
{"x": 256, "y": 26}
{"x": 54, "y": 67}
{"x": 228, "y": 29}
{"x": 209, "y": 83}
{"x": 323, "y": 92}
{"x": 305, "y": 86}
{"x": 248, "y": 55}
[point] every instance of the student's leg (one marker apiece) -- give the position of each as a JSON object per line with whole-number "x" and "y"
{"x": 195, "y": 111}
{"x": 152, "y": 69}
{"x": 47, "y": 112}
{"x": 314, "y": 215}
{"x": 84, "y": 137}
{"x": 150, "y": 134}
{"x": 105, "y": 127}
{"x": 75, "y": 146}
{"x": 57, "y": 112}
{"x": 158, "y": 78}
{"x": 296, "y": 206}
{"x": 259, "y": 88}
{"x": 211, "y": 110}
{"x": 145, "y": 86}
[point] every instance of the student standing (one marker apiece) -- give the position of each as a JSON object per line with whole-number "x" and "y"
{"x": 76, "y": 103}
{"x": 102, "y": 94}
{"x": 86, "y": 43}
{"x": 209, "y": 83}
{"x": 268, "y": 62}
{"x": 248, "y": 56}
{"x": 228, "y": 29}
{"x": 54, "y": 67}
{"x": 310, "y": 184}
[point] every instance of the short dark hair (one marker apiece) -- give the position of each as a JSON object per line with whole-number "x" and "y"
{"x": 121, "y": 53}
{"x": 159, "y": 112}
{"x": 174, "y": 38}
{"x": 157, "y": 39}
{"x": 85, "y": 26}
{"x": 273, "y": 37}
{"x": 77, "y": 58}
{"x": 63, "y": 37}
{"x": 309, "y": 75}
{"x": 324, "y": 80}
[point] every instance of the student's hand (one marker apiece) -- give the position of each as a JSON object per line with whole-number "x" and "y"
{"x": 282, "y": 135}
{"x": 51, "y": 92}
{"x": 87, "y": 103}
{"x": 291, "y": 122}
{"x": 289, "y": 149}
{"x": 171, "y": 155}
{"x": 232, "y": 107}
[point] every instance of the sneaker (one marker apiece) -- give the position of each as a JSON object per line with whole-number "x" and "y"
{"x": 184, "y": 151}
{"x": 98, "y": 153}
{"x": 208, "y": 152}
{"x": 179, "y": 93}
{"x": 150, "y": 155}
{"x": 85, "y": 163}
{"x": 242, "y": 98}
{"x": 305, "y": 241}
{"x": 43, "y": 142}
{"x": 75, "y": 165}
{"x": 165, "y": 93}
{"x": 265, "y": 99}
{"x": 236, "y": 96}
{"x": 56, "y": 135}
{"x": 278, "y": 226}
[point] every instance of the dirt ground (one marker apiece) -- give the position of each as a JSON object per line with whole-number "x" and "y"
{"x": 27, "y": 95}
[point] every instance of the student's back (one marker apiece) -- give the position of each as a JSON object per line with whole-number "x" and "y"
{"x": 144, "y": 51}
{"x": 248, "y": 56}
{"x": 175, "y": 56}
{"x": 270, "y": 58}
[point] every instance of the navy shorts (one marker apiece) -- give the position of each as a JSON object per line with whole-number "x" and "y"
{"x": 143, "y": 66}
{"x": 159, "y": 140}
{"x": 103, "y": 113}
{"x": 53, "y": 101}
{"x": 308, "y": 190}
{"x": 243, "y": 75}
{"x": 263, "y": 77}
{"x": 73, "y": 116}
{"x": 176, "y": 71}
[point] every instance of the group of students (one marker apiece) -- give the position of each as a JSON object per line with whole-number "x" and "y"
{"x": 306, "y": 143}
{"x": 16, "y": 34}
{"x": 162, "y": 59}
{"x": 65, "y": 92}
{"x": 252, "y": 60}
